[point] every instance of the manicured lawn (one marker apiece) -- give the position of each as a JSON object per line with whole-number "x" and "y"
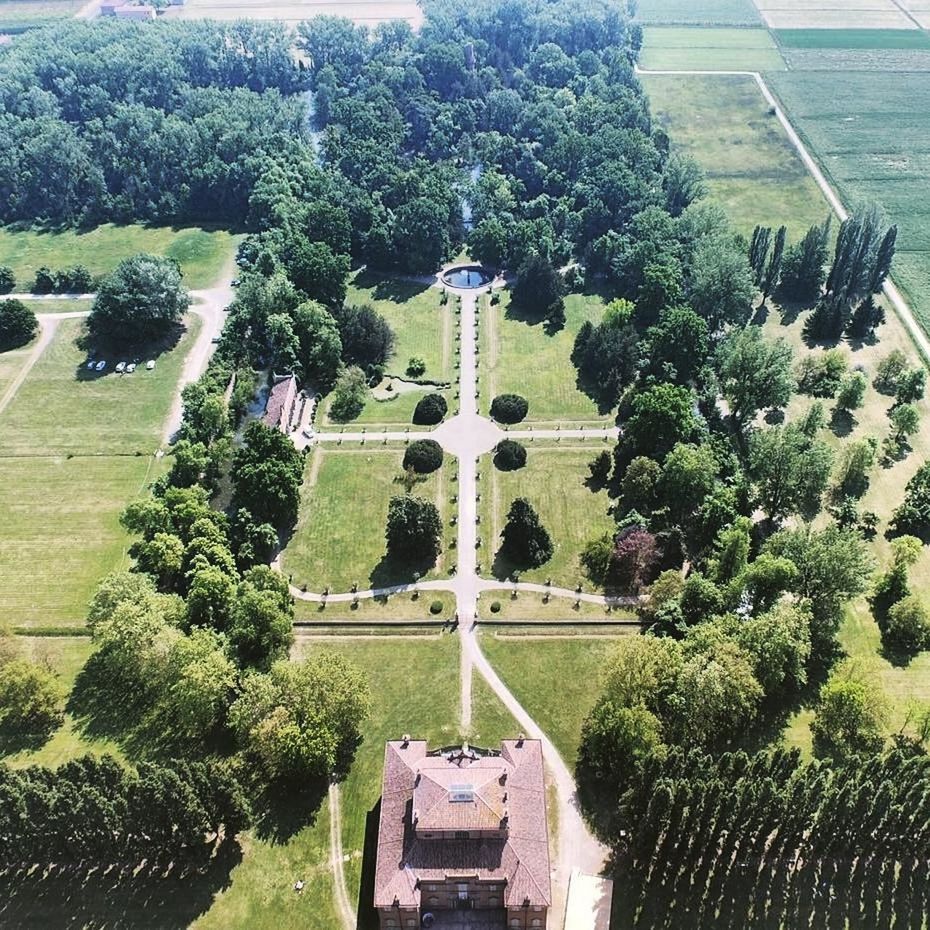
{"x": 557, "y": 681}
{"x": 491, "y": 722}
{"x": 10, "y": 365}
{"x": 59, "y": 306}
{"x": 553, "y": 481}
{"x": 518, "y": 356}
{"x": 707, "y": 12}
{"x": 339, "y": 539}
{"x": 61, "y": 532}
{"x": 392, "y": 414}
{"x": 203, "y": 254}
{"x": 402, "y": 606}
{"x": 415, "y": 690}
{"x": 63, "y": 409}
{"x": 870, "y": 133}
{"x": 751, "y": 168}
{"x": 701, "y": 49}
{"x": 530, "y": 606}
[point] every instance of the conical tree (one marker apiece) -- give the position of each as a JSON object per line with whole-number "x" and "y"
{"x": 526, "y": 542}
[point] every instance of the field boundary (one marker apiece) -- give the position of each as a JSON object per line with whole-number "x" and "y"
{"x": 890, "y": 289}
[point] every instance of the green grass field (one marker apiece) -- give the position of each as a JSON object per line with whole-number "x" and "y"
{"x": 69, "y": 305}
{"x": 752, "y": 170}
{"x": 869, "y": 132}
{"x": 19, "y": 15}
{"x": 402, "y": 606}
{"x": 63, "y": 409}
{"x": 339, "y": 539}
{"x": 553, "y": 481}
{"x": 853, "y": 38}
{"x": 556, "y": 680}
{"x": 839, "y": 59}
{"x": 11, "y": 363}
{"x": 669, "y": 48}
{"x": 203, "y": 254}
{"x": 518, "y": 356}
{"x": 705, "y": 13}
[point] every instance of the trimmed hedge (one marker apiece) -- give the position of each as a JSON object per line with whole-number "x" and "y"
{"x": 430, "y": 410}
{"x": 509, "y": 408}
{"x": 423, "y": 456}
{"x": 509, "y": 455}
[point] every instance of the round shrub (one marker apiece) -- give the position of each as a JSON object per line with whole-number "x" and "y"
{"x": 18, "y": 324}
{"x": 509, "y": 455}
{"x": 423, "y": 456}
{"x": 495, "y": 607}
{"x": 509, "y": 408}
{"x": 430, "y": 410}
{"x": 416, "y": 367}
{"x": 436, "y": 607}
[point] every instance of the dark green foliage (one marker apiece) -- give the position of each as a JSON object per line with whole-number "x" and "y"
{"x": 7, "y": 279}
{"x": 30, "y": 700}
{"x": 803, "y": 271}
{"x": 755, "y": 373}
{"x": 607, "y": 358}
{"x": 423, "y": 456}
{"x": 18, "y": 324}
{"x": 821, "y": 375}
{"x": 319, "y": 272}
{"x": 349, "y": 395}
{"x": 912, "y": 517}
{"x": 509, "y": 455}
{"x": 509, "y": 408}
{"x": 266, "y": 474}
{"x": 538, "y": 291}
{"x": 435, "y": 608}
{"x": 772, "y": 275}
{"x": 367, "y": 339}
{"x": 525, "y": 541}
{"x": 140, "y": 300}
{"x": 661, "y": 417}
{"x": 600, "y": 468}
{"x": 678, "y": 345}
{"x": 430, "y": 410}
{"x": 414, "y": 530}
{"x": 759, "y": 252}
{"x": 44, "y": 282}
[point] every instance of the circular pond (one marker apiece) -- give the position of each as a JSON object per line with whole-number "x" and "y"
{"x": 470, "y": 276}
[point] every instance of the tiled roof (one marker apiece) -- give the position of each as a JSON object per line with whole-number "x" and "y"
{"x": 510, "y": 783}
{"x": 280, "y": 401}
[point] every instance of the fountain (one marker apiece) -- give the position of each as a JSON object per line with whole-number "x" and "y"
{"x": 467, "y": 277}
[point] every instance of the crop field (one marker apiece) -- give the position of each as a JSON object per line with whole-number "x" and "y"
{"x": 705, "y": 13}
{"x": 554, "y": 481}
{"x": 751, "y": 168}
{"x": 202, "y": 253}
{"x": 19, "y": 15}
{"x": 668, "y": 48}
{"x": 870, "y": 133}
{"x": 339, "y": 539}
{"x": 833, "y": 59}
{"x": 362, "y": 12}
{"x": 519, "y": 356}
{"x": 853, "y": 38}
{"x": 63, "y": 409}
{"x": 834, "y": 14}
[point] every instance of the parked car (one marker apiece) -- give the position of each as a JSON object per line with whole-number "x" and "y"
{"x": 101, "y": 365}
{"x": 130, "y": 368}
{"x": 91, "y": 365}
{"x": 150, "y": 364}
{"x": 120, "y": 367}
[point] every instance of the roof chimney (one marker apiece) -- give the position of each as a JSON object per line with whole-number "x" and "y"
{"x": 405, "y": 741}
{"x": 520, "y": 739}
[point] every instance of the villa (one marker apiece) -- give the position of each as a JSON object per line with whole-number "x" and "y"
{"x": 463, "y": 839}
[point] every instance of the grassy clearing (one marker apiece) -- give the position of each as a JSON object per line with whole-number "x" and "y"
{"x": 557, "y": 681}
{"x": 554, "y": 482}
{"x": 706, "y": 13}
{"x": 63, "y": 409}
{"x": 752, "y": 170}
{"x": 869, "y": 132}
{"x": 701, "y": 49}
{"x": 491, "y": 722}
{"x": 61, "y": 532}
{"x": 59, "y": 306}
{"x": 202, "y": 253}
{"x": 11, "y": 363}
{"x": 853, "y": 38}
{"x": 339, "y": 539}
{"x": 518, "y": 356}
{"x": 397, "y": 672}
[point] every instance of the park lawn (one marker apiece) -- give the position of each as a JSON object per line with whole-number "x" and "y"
{"x": 853, "y": 38}
{"x": 63, "y": 305}
{"x": 61, "y": 532}
{"x": 554, "y": 482}
{"x": 870, "y": 135}
{"x": 518, "y": 356}
{"x": 393, "y": 414}
{"x": 398, "y": 670}
{"x": 66, "y": 656}
{"x": 705, "y": 13}
{"x": 751, "y": 168}
{"x": 557, "y": 681}
{"x": 11, "y": 364}
{"x": 672, "y": 48}
{"x": 491, "y": 722}
{"x": 402, "y": 606}
{"x": 202, "y": 253}
{"x": 63, "y": 409}
{"x": 533, "y": 607}
{"x": 339, "y": 538}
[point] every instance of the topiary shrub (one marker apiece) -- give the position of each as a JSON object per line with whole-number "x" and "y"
{"x": 509, "y": 455}
{"x": 509, "y": 408}
{"x": 416, "y": 367}
{"x": 430, "y": 410}
{"x": 436, "y": 608}
{"x": 495, "y": 607}
{"x": 423, "y": 456}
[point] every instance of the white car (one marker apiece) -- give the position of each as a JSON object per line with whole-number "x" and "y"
{"x": 91, "y": 365}
{"x": 100, "y": 365}
{"x": 130, "y": 368}
{"x": 150, "y": 364}
{"x": 120, "y": 367}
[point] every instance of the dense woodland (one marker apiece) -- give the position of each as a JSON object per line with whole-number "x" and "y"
{"x": 529, "y": 111}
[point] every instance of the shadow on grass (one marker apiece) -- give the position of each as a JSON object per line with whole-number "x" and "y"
{"x": 386, "y": 287}
{"x": 13, "y": 741}
{"x": 842, "y": 423}
{"x": 282, "y": 811}
{"x": 393, "y": 570}
{"x": 115, "y": 351}
{"x": 117, "y": 898}
{"x": 366, "y": 915}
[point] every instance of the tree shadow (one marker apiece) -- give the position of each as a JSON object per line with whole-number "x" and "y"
{"x": 284, "y": 810}
{"x": 366, "y": 915}
{"x": 761, "y": 314}
{"x": 118, "y": 898}
{"x": 775, "y": 416}
{"x": 114, "y": 351}
{"x": 517, "y": 313}
{"x": 842, "y": 422}
{"x": 13, "y": 741}
{"x": 388, "y": 287}
{"x": 792, "y": 309}
{"x": 395, "y": 570}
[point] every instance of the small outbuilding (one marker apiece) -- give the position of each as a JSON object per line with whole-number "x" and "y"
{"x": 282, "y": 399}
